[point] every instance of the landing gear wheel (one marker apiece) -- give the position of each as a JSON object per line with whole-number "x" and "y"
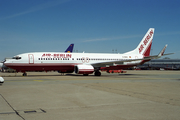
{"x": 85, "y": 74}
{"x": 97, "y": 73}
{"x": 24, "y": 74}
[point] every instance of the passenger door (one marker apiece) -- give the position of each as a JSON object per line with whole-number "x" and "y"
{"x": 31, "y": 58}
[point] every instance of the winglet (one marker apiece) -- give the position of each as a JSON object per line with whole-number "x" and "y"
{"x": 162, "y": 51}
{"x": 70, "y": 48}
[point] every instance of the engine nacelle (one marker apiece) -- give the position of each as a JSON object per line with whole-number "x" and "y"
{"x": 84, "y": 69}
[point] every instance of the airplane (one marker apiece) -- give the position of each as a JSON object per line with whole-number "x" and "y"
{"x": 84, "y": 63}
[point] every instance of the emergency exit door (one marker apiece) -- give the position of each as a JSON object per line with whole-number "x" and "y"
{"x": 31, "y": 59}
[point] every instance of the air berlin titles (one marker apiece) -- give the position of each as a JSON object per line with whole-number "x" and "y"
{"x": 56, "y": 55}
{"x": 145, "y": 42}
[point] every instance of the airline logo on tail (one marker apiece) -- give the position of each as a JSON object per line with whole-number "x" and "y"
{"x": 146, "y": 41}
{"x": 70, "y": 48}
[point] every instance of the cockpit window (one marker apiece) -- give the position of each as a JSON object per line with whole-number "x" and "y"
{"x": 16, "y": 57}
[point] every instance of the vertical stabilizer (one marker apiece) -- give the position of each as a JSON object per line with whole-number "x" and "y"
{"x": 70, "y": 48}
{"x": 144, "y": 46}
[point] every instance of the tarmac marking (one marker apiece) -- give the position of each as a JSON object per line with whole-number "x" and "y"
{"x": 8, "y": 113}
{"x": 39, "y": 110}
{"x": 11, "y": 107}
{"x": 38, "y": 80}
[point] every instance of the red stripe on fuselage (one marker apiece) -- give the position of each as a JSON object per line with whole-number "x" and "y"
{"x": 21, "y": 67}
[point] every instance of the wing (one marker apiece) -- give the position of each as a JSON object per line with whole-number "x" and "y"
{"x": 110, "y": 63}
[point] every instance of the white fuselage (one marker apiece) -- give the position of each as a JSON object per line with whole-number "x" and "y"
{"x": 45, "y": 61}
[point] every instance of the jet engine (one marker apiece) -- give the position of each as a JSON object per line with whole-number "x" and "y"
{"x": 84, "y": 69}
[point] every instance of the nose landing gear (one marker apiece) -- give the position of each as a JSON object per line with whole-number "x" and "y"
{"x": 24, "y": 74}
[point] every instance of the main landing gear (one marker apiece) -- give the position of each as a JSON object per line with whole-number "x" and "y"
{"x": 97, "y": 73}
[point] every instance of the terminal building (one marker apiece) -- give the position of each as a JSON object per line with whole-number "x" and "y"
{"x": 161, "y": 64}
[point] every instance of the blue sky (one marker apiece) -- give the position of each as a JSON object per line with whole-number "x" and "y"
{"x": 92, "y": 25}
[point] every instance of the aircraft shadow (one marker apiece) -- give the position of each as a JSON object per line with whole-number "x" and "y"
{"x": 68, "y": 74}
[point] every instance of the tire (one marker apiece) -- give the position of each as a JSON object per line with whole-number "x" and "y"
{"x": 97, "y": 73}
